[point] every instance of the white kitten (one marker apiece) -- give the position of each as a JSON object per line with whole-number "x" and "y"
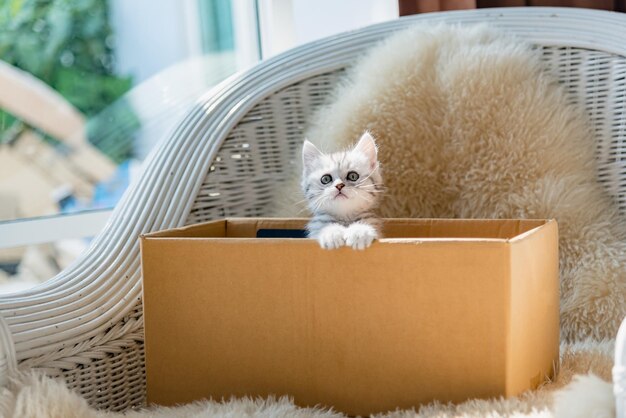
{"x": 342, "y": 191}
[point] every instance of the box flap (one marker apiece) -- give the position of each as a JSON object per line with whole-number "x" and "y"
{"x": 500, "y": 229}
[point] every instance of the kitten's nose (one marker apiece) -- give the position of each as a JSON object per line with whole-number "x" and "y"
{"x": 340, "y": 186}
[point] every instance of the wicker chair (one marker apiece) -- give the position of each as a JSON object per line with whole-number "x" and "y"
{"x": 226, "y": 159}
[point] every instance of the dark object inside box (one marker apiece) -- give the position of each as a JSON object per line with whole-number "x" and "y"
{"x": 281, "y": 233}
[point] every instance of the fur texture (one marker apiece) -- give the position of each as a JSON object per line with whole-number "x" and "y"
{"x": 586, "y": 396}
{"x": 35, "y": 396}
{"x": 468, "y": 126}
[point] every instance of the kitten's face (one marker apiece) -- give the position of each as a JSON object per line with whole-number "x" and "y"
{"x": 344, "y": 183}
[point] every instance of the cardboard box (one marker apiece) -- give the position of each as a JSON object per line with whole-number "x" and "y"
{"x": 439, "y": 309}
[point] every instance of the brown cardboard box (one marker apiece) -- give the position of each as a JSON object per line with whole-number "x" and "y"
{"x": 440, "y": 309}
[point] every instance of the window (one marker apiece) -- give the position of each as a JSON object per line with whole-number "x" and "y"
{"x": 87, "y": 88}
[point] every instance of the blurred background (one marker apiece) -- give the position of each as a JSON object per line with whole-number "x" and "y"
{"x": 89, "y": 87}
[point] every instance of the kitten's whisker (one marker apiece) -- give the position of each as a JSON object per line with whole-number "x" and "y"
{"x": 299, "y": 202}
{"x": 370, "y": 174}
{"x": 312, "y": 204}
{"x": 365, "y": 196}
{"x": 301, "y": 211}
{"x": 369, "y": 188}
{"x": 317, "y": 202}
{"x": 370, "y": 184}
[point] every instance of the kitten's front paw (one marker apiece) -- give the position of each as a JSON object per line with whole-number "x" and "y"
{"x": 360, "y": 236}
{"x": 332, "y": 237}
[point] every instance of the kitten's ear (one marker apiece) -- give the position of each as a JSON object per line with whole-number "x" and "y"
{"x": 367, "y": 146}
{"x": 309, "y": 154}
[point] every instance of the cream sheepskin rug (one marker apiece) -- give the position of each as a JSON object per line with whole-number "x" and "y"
{"x": 468, "y": 126}
{"x": 35, "y": 396}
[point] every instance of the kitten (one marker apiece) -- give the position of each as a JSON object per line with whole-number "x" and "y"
{"x": 342, "y": 190}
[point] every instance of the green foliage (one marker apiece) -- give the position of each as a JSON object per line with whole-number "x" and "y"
{"x": 69, "y": 45}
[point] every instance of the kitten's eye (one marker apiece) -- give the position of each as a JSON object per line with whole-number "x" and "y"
{"x": 326, "y": 178}
{"x": 353, "y": 176}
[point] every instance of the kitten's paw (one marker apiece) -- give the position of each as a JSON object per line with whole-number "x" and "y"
{"x": 332, "y": 237}
{"x": 360, "y": 236}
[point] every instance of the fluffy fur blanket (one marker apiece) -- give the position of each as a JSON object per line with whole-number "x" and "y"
{"x": 468, "y": 126}
{"x": 34, "y": 396}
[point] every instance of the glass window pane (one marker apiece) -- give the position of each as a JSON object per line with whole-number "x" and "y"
{"x": 94, "y": 85}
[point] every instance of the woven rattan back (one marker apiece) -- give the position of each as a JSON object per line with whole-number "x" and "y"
{"x": 260, "y": 151}
{"x": 596, "y": 80}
